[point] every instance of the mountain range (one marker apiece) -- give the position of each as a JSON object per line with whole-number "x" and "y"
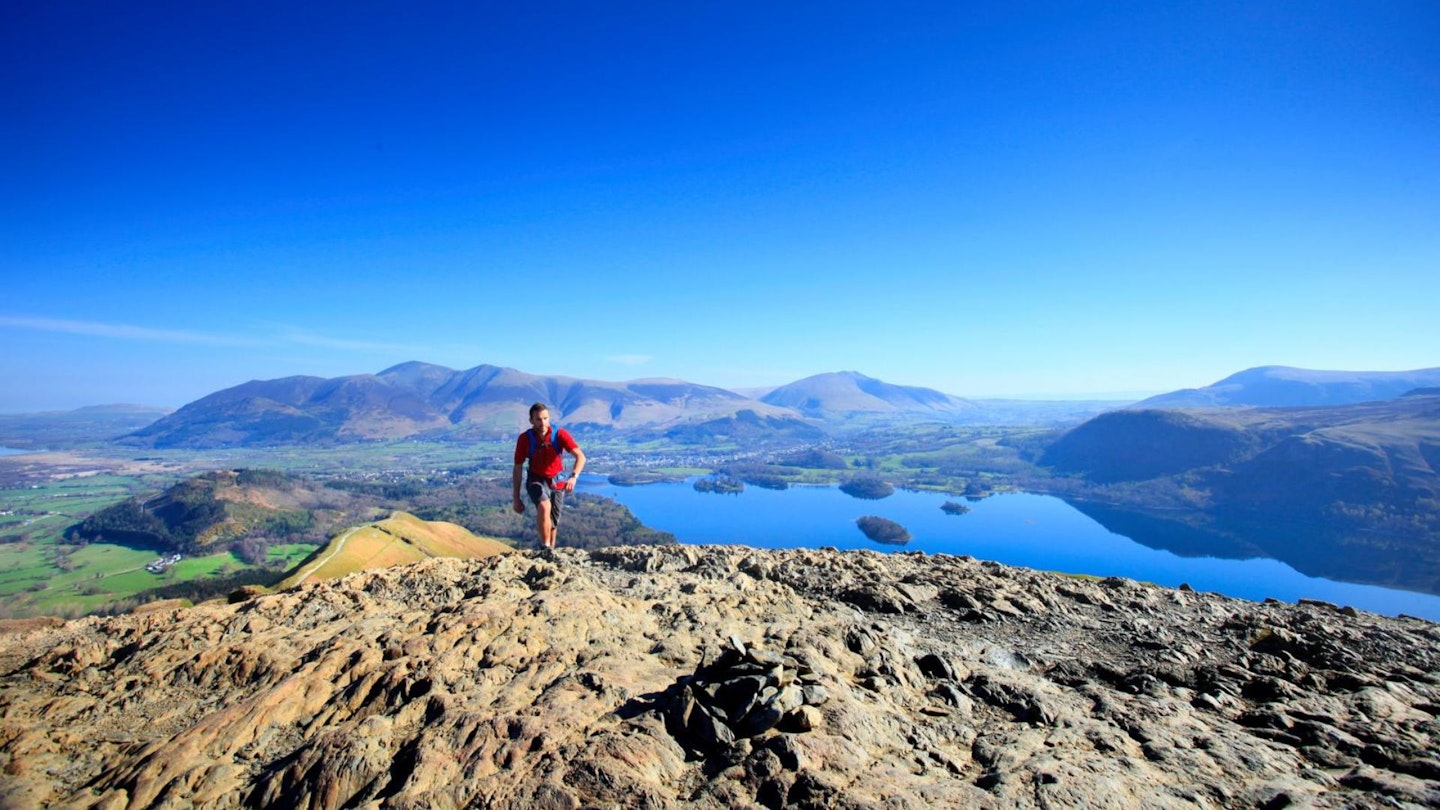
{"x": 424, "y": 400}
{"x": 1283, "y": 386}
{"x": 421, "y": 399}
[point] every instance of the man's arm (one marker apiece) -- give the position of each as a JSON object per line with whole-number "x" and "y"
{"x": 518, "y": 505}
{"x": 579, "y": 465}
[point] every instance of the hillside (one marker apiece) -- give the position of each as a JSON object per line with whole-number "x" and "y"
{"x": 214, "y": 509}
{"x": 1351, "y": 491}
{"x": 399, "y": 539}
{"x": 849, "y": 392}
{"x": 1135, "y": 445}
{"x": 1396, "y": 441}
{"x": 415, "y": 399}
{"x": 59, "y": 430}
{"x": 1282, "y": 386}
{"x": 747, "y": 429}
{"x": 720, "y": 677}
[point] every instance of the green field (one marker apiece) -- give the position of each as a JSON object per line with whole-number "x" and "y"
{"x": 43, "y": 574}
{"x": 50, "y": 579}
{"x": 67, "y": 580}
{"x": 290, "y": 555}
{"x": 22, "y": 567}
{"x": 41, "y": 512}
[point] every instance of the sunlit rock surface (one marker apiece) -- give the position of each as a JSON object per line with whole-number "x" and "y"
{"x": 682, "y": 676}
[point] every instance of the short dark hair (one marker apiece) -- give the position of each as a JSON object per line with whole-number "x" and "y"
{"x": 538, "y": 407}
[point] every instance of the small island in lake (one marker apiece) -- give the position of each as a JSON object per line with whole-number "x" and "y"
{"x": 868, "y": 487}
{"x": 723, "y": 484}
{"x": 882, "y": 530}
{"x": 954, "y": 508}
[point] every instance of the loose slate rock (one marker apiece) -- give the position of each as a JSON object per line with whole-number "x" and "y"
{"x": 744, "y": 693}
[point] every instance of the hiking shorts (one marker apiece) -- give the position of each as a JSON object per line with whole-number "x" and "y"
{"x": 542, "y": 488}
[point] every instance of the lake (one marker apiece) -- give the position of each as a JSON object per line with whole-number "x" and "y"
{"x": 1034, "y": 531}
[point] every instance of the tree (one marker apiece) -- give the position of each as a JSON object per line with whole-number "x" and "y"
{"x": 882, "y": 530}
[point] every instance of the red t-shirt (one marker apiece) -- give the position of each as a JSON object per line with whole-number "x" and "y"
{"x": 548, "y": 461}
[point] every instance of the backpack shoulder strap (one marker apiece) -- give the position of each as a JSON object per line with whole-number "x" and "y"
{"x": 536, "y": 443}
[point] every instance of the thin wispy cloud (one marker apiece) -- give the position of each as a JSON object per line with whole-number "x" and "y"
{"x": 125, "y": 331}
{"x": 280, "y": 336}
{"x": 629, "y": 359}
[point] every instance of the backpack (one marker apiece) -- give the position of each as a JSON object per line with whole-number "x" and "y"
{"x": 535, "y": 443}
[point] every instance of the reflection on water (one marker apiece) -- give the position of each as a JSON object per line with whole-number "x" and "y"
{"x": 1318, "y": 551}
{"x": 1035, "y": 531}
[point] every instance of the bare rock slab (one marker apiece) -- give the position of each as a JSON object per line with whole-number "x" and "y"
{"x": 682, "y": 676}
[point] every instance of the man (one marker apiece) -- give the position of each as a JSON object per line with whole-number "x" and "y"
{"x": 544, "y": 448}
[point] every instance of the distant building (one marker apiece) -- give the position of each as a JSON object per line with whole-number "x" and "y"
{"x": 159, "y": 565}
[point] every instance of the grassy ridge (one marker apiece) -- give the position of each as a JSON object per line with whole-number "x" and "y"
{"x": 402, "y": 538}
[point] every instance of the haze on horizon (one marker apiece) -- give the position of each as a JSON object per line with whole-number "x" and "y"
{"x": 1044, "y": 198}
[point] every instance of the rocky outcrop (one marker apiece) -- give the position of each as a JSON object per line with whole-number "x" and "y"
{"x": 741, "y": 696}
{"x": 588, "y": 681}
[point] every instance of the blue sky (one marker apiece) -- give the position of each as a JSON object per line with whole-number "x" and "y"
{"x": 1075, "y": 198}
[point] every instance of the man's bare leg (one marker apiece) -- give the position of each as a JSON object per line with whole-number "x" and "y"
{"x": 543, "y": 526}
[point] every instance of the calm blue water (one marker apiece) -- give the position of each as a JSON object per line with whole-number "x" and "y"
{"x": 10, "y": 451}
{"x": 1035, "y": 531}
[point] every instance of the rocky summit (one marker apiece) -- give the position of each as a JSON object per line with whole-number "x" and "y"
{"x": 682, "y": 676}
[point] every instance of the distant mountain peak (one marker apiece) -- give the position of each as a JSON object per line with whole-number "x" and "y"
{"x": 411, "y": 366}
{"x": 842, "y": 392}
{"x": 1287, "y": 386}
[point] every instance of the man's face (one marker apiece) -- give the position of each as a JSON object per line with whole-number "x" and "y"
{"x": 540, "y": 420}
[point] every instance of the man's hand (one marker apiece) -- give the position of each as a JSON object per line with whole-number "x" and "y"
{"x": 518, "y": 506}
